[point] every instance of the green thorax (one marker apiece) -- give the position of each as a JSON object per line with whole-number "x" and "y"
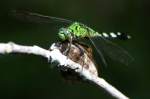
{"x": 80, "y": 30}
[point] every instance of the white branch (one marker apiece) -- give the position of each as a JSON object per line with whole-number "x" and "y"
{"x": 56, "y": 55}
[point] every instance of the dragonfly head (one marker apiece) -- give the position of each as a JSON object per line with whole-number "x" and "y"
{"x": 64, "y": 34}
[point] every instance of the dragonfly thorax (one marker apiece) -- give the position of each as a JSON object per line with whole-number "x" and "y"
{"x": 80, "y": 30}
{"x": 75, "y": 31}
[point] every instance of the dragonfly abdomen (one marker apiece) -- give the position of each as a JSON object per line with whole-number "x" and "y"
{"x": 112, "y": 35}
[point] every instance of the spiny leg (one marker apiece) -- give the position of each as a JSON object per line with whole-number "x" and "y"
{"x": 82, "y": 49}
{"x": 82, "y": 52}
{"x": 82, "y": 43}
{"x": 66, "y": 52}
{"x": 78, "y": 44}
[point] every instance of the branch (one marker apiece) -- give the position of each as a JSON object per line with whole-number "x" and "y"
{"x": 55, "y": 55}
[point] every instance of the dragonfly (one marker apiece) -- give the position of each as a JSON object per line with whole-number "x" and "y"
{"x": 74, "y": 31}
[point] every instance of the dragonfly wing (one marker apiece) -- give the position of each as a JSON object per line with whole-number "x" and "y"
{"x": 37, "y": 18}
{"x": 99, "y": 52}
{"x": 112, "y": 50}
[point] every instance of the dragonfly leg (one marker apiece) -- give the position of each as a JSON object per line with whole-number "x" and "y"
{"x": 81, "y": 52}
{"x": 84, "y": 49}
{"x": 82, "y": 43}
{"x": 66, "y": 52}
{"x": 78, "y": 44}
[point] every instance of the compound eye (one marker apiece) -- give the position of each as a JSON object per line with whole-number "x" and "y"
{"x": 61, "y": 29}
{"x": 67, "y": 31}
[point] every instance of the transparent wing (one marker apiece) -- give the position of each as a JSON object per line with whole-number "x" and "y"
{"x": 99, "y": 52}
{"x": 112, "y": 50}
{"x": 37, "y": 18}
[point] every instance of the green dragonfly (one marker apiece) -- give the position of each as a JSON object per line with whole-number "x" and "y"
{"x": 75, "y": 31}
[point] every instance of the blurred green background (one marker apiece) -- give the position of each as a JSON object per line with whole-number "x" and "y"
{"x": 29, "y": 76}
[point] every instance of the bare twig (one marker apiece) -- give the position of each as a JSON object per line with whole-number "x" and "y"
{"x": 55, "y": 55}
